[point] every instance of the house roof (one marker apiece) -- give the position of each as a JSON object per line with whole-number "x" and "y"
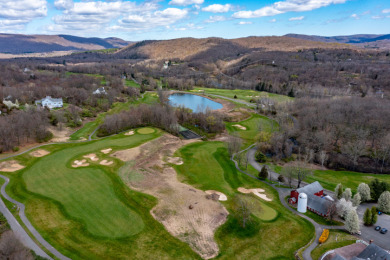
{"x": 318, "y": 204}
{"x": 338, "y": 257}
{"x": 310, "y": 189}
{"x": 50, "y": 99}
{"x": 374, "y": 252}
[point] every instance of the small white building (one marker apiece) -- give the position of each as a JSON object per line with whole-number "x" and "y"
{"x": 100, "y": 91}
{"x": 50, "y": 102}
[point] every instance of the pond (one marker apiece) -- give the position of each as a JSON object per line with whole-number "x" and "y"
{"x": 194, "y": 102}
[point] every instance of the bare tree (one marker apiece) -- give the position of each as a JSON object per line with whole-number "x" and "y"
{"x": 242, "y": 211}
{"x": 332, "y": 211}
{"x": 234, "y": 143}
{"x": 323, "y": 157}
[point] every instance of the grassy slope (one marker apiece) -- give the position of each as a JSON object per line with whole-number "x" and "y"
{"x": 252, "y": 124}
{"x": 206, "y": 166}
{"x": 246, "y": 95}
{"x": 343, "y": 239}
{"x": 88, "y": 213}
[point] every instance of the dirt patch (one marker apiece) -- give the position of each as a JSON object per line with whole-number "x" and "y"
{"x": 240, "y": 127}
{"x": 128, "y": 154}
{"x": 106, "y": 163}
{"x": 184, "y": 211}
{"x": 175, "y": 160}
{"x": 106, "y": 151}
{"x": 39, "y": 153}
{"x": 92, "y": 157}
{"x": 130, "y": 132}
{"x": 60, "y": 135}
{"x": 221, "y": 196}
{"x": 10, "y": 166}
{"x": 258, "y": 192}
{"x": 237, "y": 115}
{"x": 82, "y": 163}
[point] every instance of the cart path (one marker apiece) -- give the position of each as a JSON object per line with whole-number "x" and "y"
{"x": 20, "y": 232}
{"x": 283, "y": 192}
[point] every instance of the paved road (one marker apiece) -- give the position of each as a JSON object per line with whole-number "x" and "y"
{"x": 368, "y": 233}
{"x": 21, "y": 233}
{"x": 282, "y": 194}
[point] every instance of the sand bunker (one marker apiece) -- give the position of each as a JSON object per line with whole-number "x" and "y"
{"x": 240, "y": 127}
{"x": 130, "y": 132}
{"x": 175, "y": 160}
{"x": 10, "y": 166}
{"x": 105, "y": 162}
{"x": 222, "y": 197}
{"x": 92, "y": 157}
{"x": 184, "y": 211}
{"x": 106, "y": 151}
{"x": 82, "y": 163}
{"x": 257, "y": 192}
{"x": 127, "y": 155}
{"x": 39, "y": 153}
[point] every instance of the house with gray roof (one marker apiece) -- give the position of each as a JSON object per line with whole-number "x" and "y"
{"x": 371, "y": 252}
{"x": 50, "y": 102}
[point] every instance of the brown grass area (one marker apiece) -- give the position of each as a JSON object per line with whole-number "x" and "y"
{"x": 10, "y": 166}
{"x": 39, "y": 153}
{"x": 184, "y": 211}
{"x": 128, "y": 154}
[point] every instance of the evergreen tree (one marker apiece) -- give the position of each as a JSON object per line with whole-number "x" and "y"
{"x": 384, "y": 202}
{"x": 291, "y": 93}
{"x": 367, "y": 217}
{"x": 377, "y": 188}
{"x": 352, "y": 222}
{"x": 374, "y": 214}
{"x": 339, "y": 191}
{"x": 364, "y": 191}
{"x": 263, "y": 174}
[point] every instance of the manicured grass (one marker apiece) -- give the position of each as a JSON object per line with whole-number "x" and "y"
{"x": 253, "y": 126}
{"x": 343, "y": 239}
{"x": 323, "y": 221}
{"x": 245, "y": 95}
{"x": 88, "y": 213}
{"x": 207, "y": 166}
{"x": 145, "y": 131}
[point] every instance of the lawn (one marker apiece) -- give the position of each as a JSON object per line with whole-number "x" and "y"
{"x": 272, "y": 232}
{"x": 337, "y": 239}
{"x": 88, "y": 213}
{"x": 132, "y": 83}
{"x": 253, "y": 126}
{"x": 243, "y": 94}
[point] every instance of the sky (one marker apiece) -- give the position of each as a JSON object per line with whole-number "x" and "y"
{"x": 137, "y": 20}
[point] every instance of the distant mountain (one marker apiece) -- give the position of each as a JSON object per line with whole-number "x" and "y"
{"x": 381, "y": 41}
{"x": 217, "y": 48}
{"x": 21, "y": 44}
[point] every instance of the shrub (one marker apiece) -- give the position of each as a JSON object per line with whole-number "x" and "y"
{"x": 324, "y": 236}
{"x": 235, "y": 96}
{"x": 263, "y": 174}
{"x": 374, "y": 214}
{"x": 15, "y": 149}
{"x": 260, "y": 157}
{"x": 367, "y": 217}
{"x": 281, "y": 178}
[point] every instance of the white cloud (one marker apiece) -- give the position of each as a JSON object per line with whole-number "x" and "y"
{"x": 63, "y": 4}
{"x": 287, "y": 6}
{"x": 186, "y": 2}
{"x": 376, "y": 17}
{"x": 217, "y": 8}
{"x": 355, "y": 16}
{"x": 243, "y": 23}
{"x": 386, "y": 11}
{"x": 216, "y": 18}
{"x": 189, "y": 26}
{"x": 17, "y": 13}
{"x": 299, "y": 18}
{"x": 272, "y": 20}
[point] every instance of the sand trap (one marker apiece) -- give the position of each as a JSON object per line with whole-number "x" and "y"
{"x": 10, "y": 166}
{"x": 127, "y": 155}
{"x": 39, "y": 153}
{"x": 222, "y": 197}
{"x": 130, "y": 132}
{"x": 257, "y": 192}
{"x": 175, "y": 160}
{"x": 82, "y": 163}
{"x": 92, "y": 157}
{"x": 106, "y": 151}
{"x": 105, "y": 162}
{"x": 240, "y": 127}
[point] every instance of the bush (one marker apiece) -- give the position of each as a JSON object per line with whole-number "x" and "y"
{"x": 281, "y": 178}
{"x": 374, "y": 214}
{"x": 260, "y": 157}
{"x": 367, "y": 217}
{"x": 235, "y": 96}
{"x": 263, "y": 174}
{"x": 324, "y": 236}
{"x": 15, "y": 149}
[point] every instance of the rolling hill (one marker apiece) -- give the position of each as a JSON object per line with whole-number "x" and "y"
{"x": 22, "y": 44}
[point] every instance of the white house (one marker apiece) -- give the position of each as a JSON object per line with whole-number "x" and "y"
{"x": 50, "y": 102}
{"x": 100, "y": 91}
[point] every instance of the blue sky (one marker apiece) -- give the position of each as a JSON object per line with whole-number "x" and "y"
{"x": 157, "y": 19}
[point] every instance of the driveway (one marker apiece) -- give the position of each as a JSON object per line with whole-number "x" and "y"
{"x": 368, "y": 233}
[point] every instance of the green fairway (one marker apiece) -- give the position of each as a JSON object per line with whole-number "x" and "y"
{"x": 243, "y": 94}
{"x": 273, "y": 232}
{"x": 253, "y": 125}
{"x": 145, "y": 131}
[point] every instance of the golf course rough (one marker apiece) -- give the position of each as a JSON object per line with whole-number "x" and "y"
{"x": 87, "y": 193}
